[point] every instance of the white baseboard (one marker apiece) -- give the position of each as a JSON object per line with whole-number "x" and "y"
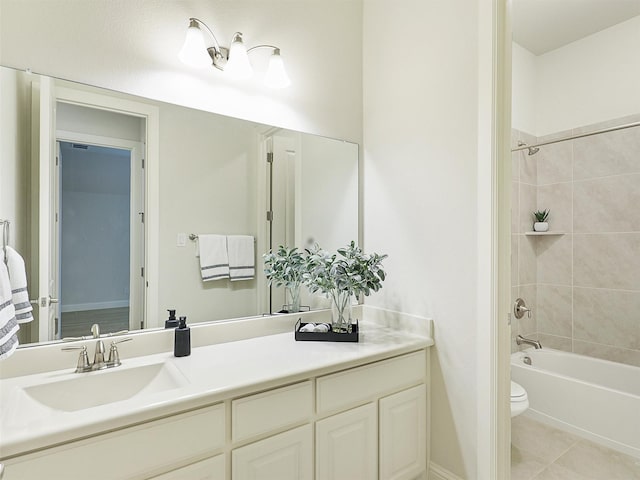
{"x": 81, "y": 307}
{"x": 436, "y": 472}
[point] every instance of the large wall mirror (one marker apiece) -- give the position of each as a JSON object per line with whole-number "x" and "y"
{"x": 129, "y": 189}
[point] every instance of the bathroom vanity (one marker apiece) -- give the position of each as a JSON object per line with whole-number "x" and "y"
{"x": 257, "y": 407}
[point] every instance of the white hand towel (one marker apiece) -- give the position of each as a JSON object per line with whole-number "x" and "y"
{"x": 214, "y": 261}
{"x": 18, "y": 280}
{"x": 242, "y": 264}
{"x": 8, "y": 323}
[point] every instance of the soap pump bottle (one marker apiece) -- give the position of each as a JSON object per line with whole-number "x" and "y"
{"x": 182, "y": 344}
{"x": 172, "y": 321}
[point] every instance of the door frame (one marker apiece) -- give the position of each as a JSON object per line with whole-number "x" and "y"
{"x": 136, "y": 290}
{"x": 494, "y": 235}
{"x": 150, "y": 154}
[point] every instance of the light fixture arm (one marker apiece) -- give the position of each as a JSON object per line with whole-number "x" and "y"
{"x": 275, "y": 49}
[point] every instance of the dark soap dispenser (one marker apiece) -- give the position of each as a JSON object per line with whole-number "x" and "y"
{"x": 172, "y": 321}
{"x": 182, "y": 344}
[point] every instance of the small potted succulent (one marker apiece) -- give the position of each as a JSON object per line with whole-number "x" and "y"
{"x": 286, "y": 268}
{"x": 541, "y": 224}
{"x": 342, "y": 275}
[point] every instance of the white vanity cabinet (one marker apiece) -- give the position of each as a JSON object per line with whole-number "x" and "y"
{"x": 388, "y": 434}
{"x": 341, "y": 422}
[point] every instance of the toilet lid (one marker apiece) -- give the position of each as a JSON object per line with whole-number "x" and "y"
{"x": 517, "y": 392}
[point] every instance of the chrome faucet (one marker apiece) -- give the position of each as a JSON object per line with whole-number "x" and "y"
{"x": 99, "y": 362}
{"x": 98, "y": 356}
{"x": 534, "y": 343}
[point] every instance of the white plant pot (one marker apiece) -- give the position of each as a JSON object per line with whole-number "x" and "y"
{"x": 540, "y": 226}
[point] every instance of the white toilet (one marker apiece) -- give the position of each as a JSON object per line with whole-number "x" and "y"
{"x": 519, "y": 399}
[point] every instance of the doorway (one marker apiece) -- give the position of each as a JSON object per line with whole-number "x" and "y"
{"x": 94, "y": 238}
{"x": 101, "y": 226}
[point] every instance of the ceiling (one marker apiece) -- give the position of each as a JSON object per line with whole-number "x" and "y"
{"x": 544, "y": 25}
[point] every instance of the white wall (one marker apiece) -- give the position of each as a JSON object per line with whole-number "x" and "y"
{"x": 14, "y": 154}
{"x": 208, "y": 179}
{"x": 421, "y": 183}
{"x": 524, "y": 78}
{"x": 132, "y": 46}
{"x": 592, "y": 80}
{"x": 329, "y": 193}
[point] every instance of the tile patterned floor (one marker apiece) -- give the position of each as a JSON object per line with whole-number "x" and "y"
{"x": 540, "y": 452}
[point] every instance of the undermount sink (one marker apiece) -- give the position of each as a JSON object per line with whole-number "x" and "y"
{"x": 92, "y": 389}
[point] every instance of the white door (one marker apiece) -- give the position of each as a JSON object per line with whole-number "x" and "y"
{"x": 287, "y": 456}
{"x": 346, "y": 445}
{"x": 281, "y": 192}
{"x": 403, "y": 434}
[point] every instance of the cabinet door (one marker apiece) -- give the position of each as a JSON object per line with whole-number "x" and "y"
{"x": 403, "y": 434}
{"x": 286, "y": 456}
{"x": 208, "y": 469}
{"x": 346, "y": 445}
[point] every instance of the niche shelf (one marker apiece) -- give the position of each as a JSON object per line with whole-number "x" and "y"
{"x": 539, "y": 234}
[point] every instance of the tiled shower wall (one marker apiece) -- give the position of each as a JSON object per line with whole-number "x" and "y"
{"x": 583, "y": 285}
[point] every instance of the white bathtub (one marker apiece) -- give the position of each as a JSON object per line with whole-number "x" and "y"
{"x": 595, "y": 399}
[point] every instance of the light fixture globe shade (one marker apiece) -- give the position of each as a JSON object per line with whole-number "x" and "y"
{"x": 276, "y": 76}
{"x": 238, "y": 65}
{"x": 194, "y": 51}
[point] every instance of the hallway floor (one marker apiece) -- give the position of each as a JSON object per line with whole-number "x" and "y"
{"x": 540, "y": 452}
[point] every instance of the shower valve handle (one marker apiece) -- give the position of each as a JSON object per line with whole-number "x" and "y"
{"x": 520, "y": 308}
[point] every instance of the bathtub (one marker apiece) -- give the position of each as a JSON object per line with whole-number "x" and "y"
{"x": 592, "y": 398}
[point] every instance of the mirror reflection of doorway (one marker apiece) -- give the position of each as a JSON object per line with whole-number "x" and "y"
{"x": 100, "y": 233}
{"x": 94, "y": 228}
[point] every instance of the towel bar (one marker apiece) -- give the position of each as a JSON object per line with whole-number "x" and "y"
{"x": 193, "y": 236}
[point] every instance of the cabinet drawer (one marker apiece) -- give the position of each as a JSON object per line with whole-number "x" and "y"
{"x": 358, "y": 385}
{"x": 130, "y": 452}
{"x": 208, "y": 469}
{"x": 264, "y": 412}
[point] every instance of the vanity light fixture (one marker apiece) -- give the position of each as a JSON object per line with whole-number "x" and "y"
{"x": 233, "y": 60}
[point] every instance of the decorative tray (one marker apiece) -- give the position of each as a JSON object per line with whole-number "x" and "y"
{"x": 325, "y": 336}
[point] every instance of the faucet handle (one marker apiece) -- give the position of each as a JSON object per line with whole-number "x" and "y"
{"x": 114, "y": 356}
{"x": 520, "y": 308}
{"x": 83, "y": 358}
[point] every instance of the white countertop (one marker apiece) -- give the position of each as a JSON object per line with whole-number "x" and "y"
{"x": 210, "y": 374}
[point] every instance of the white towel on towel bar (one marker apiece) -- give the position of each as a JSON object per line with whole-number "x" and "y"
{"x": 18, "y": 280}
{"x": 214, "y": 261}
{"x": 242, "y": 265}
{"x": 8, "y": 323}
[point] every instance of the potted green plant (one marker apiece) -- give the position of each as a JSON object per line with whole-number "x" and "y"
{"x": 286, "y": 268}
{"x": 349, "y": 272}
{"x": 541, "y": 224}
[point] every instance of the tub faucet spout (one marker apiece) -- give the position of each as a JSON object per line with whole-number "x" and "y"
{"x": 534, "y": 343}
